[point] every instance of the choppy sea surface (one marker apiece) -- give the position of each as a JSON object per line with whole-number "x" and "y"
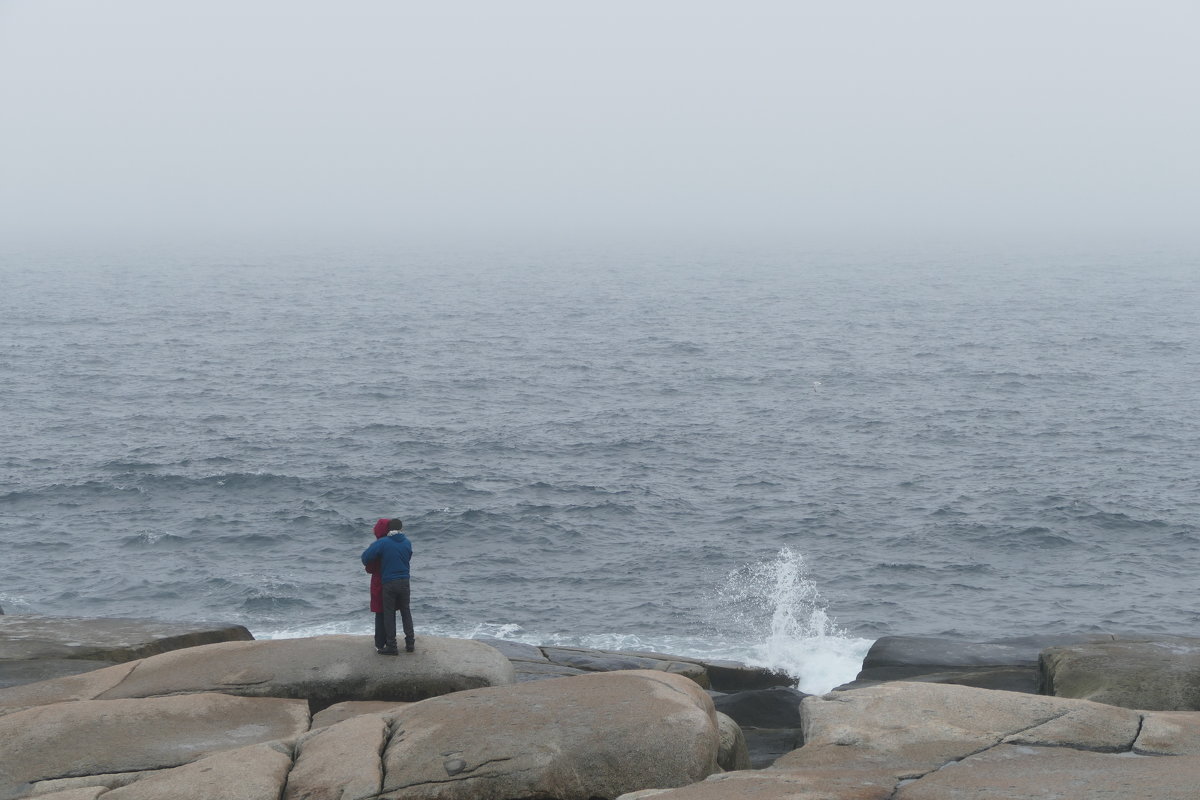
{"x": 776, "y": 459}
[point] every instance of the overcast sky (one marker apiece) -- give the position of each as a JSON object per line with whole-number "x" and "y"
{"x": 671, "y": 120}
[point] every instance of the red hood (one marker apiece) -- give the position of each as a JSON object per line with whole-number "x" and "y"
{"x": 381, "y": 528}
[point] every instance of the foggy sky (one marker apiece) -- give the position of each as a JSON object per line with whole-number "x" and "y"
{"x": 671, "y": 120}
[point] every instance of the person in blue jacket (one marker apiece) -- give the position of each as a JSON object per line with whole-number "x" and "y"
{"x": 394, "y": 553}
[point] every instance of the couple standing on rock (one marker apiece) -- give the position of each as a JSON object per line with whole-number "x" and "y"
{"x": 387, "y": 561}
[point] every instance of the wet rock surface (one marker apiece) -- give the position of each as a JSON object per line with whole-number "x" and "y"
{"x": 95, "y": 737}
{"x": 769, "y": 718}
{"x": 538, "y": 663}
{"x": 1005, "y": 664}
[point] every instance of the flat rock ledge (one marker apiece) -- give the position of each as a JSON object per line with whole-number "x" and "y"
{"x": 322, "y": 670}
{"x": 37, "y": 648}
{"x": 533, "y": 663}
{"x": 1152, "y": 673}
{"x": 1009, "y": 664}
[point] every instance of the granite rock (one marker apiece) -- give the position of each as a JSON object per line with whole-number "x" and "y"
{"x": 36, "y": 648}
{"x": 1040, "y": 773}
{"x": 539, "y": 671}
{"x": 1005, "y": 664}
{"x": 777, "y": 707}
{"x": 1156, "y": 675}
{"x": 918, "y": 727}
{"x": 96, "y": 737}
{"x": 86, "y": 686}
{"x": 258, "y": 772}
{"x": 576, "y": 738}
{"x": 601, "y": 661}
{"x": 1169, "y": 733}
{"x": 340, "y": 712}
{"x": 770, "y": 784}
{"x": 81, "y": 793}
{"x": 732, "y": 753}
{"x": 920, "y": 741}
{"x": 323, "y": 670}
{"x": 769, "y": 719}
{"x": 340, "y": 762}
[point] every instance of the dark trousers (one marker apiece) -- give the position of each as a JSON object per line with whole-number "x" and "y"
{"x": 395, "y": 598}
{"x": 380, "y": 634}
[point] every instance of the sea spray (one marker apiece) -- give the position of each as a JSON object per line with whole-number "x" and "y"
{"x": 768, "y": 614}
{"x": 777, "y": 605}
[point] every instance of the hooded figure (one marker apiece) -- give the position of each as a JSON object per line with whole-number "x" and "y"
{"x": 388, "y": 562}
{"x": 380, "y": 530}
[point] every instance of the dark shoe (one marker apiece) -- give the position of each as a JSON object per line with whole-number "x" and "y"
{"x": 408, "y": 648}
{"x": 388, "y": 651}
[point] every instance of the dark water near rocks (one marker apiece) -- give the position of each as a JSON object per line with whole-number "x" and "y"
{"x": 776, "y": 459}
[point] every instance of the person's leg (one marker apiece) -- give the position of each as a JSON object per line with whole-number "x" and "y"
{"x": 402, "y": 599}
{"x": 380, "y": 634}
{"x": 389, "y": 615}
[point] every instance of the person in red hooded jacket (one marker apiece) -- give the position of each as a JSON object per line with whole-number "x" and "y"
{"x": 388, "y": 561}
{"x": 381, "y": 530}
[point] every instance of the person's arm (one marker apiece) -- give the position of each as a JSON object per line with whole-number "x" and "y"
{"x": 371, "y": 553}
{"x": 372, "y": 566}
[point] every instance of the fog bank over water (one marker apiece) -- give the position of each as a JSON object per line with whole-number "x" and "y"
{"x": 381, "y": 123}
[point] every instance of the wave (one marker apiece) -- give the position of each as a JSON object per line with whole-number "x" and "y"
{"x": 154, "y": 539}
{"x": 1038, "y": 536}
{"x": 271, "y": 604}
{"x": 781, "y": 608}
{"x": 136, "y": 478}
{"x": 130, "y": 466}
{"x": 1122, "y": 522}
{"x": 67, "y": 494}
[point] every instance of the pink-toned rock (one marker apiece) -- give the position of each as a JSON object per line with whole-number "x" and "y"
{"x": 1169, "y": 733}
{"x": 82, "y": 793}
{"x": 1058, "y": 773}
{"x": 918, "y": 727}
{"x": 340, "y": 712}
{"x": 32, "y": 637}
{"x": 732, "y": 754}
{"x": 576, "y": 738}
{"x": 103, "y": 781}
{"x": 60, "y": 690}
{"x": 91, "y": 737}
{"x": 258, "y": 772}
{"x": 321, "y": 669}
{"x": 340, "y": 762}
{"x": 773, "y": 784}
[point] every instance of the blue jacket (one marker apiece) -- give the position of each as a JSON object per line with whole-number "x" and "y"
{"x": 394, "y": 553}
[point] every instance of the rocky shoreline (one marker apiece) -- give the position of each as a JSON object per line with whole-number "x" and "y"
{"x": 127, "y": 709}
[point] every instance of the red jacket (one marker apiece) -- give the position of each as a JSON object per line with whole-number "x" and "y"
{"x": 381, "y": 530}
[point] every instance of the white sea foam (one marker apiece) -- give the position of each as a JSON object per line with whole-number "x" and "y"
{"x": 781, "y": 609}
{"x": 319, "y": 629}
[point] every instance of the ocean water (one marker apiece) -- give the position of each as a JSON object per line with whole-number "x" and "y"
{"x": 771, "y": 458}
